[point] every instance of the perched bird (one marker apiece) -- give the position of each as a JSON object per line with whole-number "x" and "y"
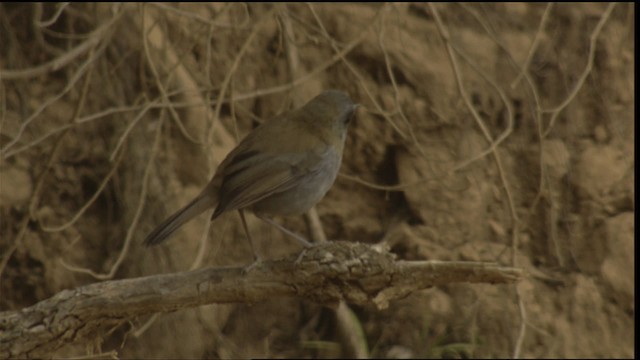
{"x": 282, "y": 167}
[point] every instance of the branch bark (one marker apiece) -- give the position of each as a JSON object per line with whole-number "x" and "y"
{"x": 325, "y": 273}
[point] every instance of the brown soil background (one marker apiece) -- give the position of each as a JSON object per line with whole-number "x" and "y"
{"x": 102, "y": 144}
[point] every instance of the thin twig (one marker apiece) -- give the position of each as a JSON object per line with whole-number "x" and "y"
{"x": 396, "y": 92}
{"x": 234, "y": 67}
{"x": 85, "y": 119}
{"x": 587, "y": 70}
{"x": 241, "y": 25}
{"x": 514, "y": 217}
{"x": 54, "y": 18}
{"x": 352, "y": 68}
{"x": 153, "y": 34}
{"x": 53, "y": 155}
{"x": 534, "y": 45}
{"x": 134, "y": 222}
{"x": 517, "y": 350}
{"x": 82, "y": 69}
{"x": 37, "y": 32}
{"x": 125, "y": 134}
{"x": 63, "y": 60}
{"x": 297, "y": 82}
{"x": 89, "y": 202}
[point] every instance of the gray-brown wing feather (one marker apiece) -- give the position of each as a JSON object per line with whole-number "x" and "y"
{"x": 251, "y": 177}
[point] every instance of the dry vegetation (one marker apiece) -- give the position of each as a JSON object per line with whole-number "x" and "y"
{"x": 489, "y": 132}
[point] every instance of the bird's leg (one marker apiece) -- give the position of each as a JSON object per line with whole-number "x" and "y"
{"x": 302, "y": 240}
{"x": 256, "y": 259}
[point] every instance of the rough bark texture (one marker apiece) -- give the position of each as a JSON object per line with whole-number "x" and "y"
{"x": 327, "y": 273}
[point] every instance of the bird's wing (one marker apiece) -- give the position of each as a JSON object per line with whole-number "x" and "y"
{"x": 252, "y": 176}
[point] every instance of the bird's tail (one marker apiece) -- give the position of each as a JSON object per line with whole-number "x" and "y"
{"x": 163, "y": 231}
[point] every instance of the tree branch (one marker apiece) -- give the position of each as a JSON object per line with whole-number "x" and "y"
{"x": 325, "y": 273}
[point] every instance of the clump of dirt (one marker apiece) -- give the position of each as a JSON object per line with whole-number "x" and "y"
{"x": 489, "y": 132}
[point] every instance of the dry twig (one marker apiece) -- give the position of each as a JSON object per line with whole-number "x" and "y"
{"x": 593, "y": 40}
{"x": 496, "y": 156}
{"x": 124, "y": 251}
{"x": 326, "y": 273}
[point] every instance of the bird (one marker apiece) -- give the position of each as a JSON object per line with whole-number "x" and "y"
{"x": 282, "y": 167}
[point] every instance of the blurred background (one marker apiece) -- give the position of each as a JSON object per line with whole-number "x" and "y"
{"x": 488, "y": 132}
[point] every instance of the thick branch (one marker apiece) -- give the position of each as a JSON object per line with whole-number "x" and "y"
{"x": 325, "y": 273}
